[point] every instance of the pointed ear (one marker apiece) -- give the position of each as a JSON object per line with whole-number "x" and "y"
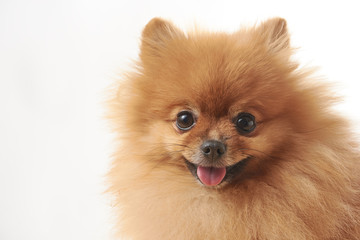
{"x": 155, "y": 36}
{"x": 275, "y": 34}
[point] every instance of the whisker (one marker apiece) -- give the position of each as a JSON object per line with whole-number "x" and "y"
{"x": 251, "y": 149}
{"x": 163, "y": 159}
{"x": 313, "y": 130}
{"x": 176, "y": 144}
{"x": 171, "y": 144}
{"x": 328, "y": 126}
{"x": 164, "y": 153}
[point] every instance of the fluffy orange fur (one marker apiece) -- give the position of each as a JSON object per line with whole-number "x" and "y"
{"x": 303, "y": 178}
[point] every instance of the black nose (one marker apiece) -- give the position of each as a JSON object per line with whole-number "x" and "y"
{"x": 213, "y": 149}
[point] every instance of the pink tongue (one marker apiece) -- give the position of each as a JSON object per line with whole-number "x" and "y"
{"x": 211, "y": 176}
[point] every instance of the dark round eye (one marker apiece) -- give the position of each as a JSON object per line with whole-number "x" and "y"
{"x": 185, "y": 120}
{"x": 245, "y": 123}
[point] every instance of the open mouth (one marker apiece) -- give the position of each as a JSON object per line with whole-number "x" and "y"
{"x": 212, "y": 176}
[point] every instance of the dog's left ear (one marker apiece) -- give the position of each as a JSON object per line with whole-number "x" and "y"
{"x": 275, "y": 34}
{"x": 155, "y": 37}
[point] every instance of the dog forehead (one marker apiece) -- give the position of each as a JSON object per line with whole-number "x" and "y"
{"x": 213, "y": 76}
{"x": 215, "y": 102}
{"x": 216, "y": 92}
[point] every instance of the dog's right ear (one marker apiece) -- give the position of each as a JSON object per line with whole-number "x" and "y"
{"x": 155, "y": 37}
{"x": 275, "y": 34}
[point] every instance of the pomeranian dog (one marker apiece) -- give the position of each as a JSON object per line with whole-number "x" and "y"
{"x": 224, "y": 137}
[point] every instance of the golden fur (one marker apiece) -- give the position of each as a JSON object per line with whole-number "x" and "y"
{"x": 303, "y": 180}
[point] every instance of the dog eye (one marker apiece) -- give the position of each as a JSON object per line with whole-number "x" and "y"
{"x": 245, "y": 123}
{"x": 185, "y": 120}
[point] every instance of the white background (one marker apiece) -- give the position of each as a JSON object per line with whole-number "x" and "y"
{"x": 58, "y": 57}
